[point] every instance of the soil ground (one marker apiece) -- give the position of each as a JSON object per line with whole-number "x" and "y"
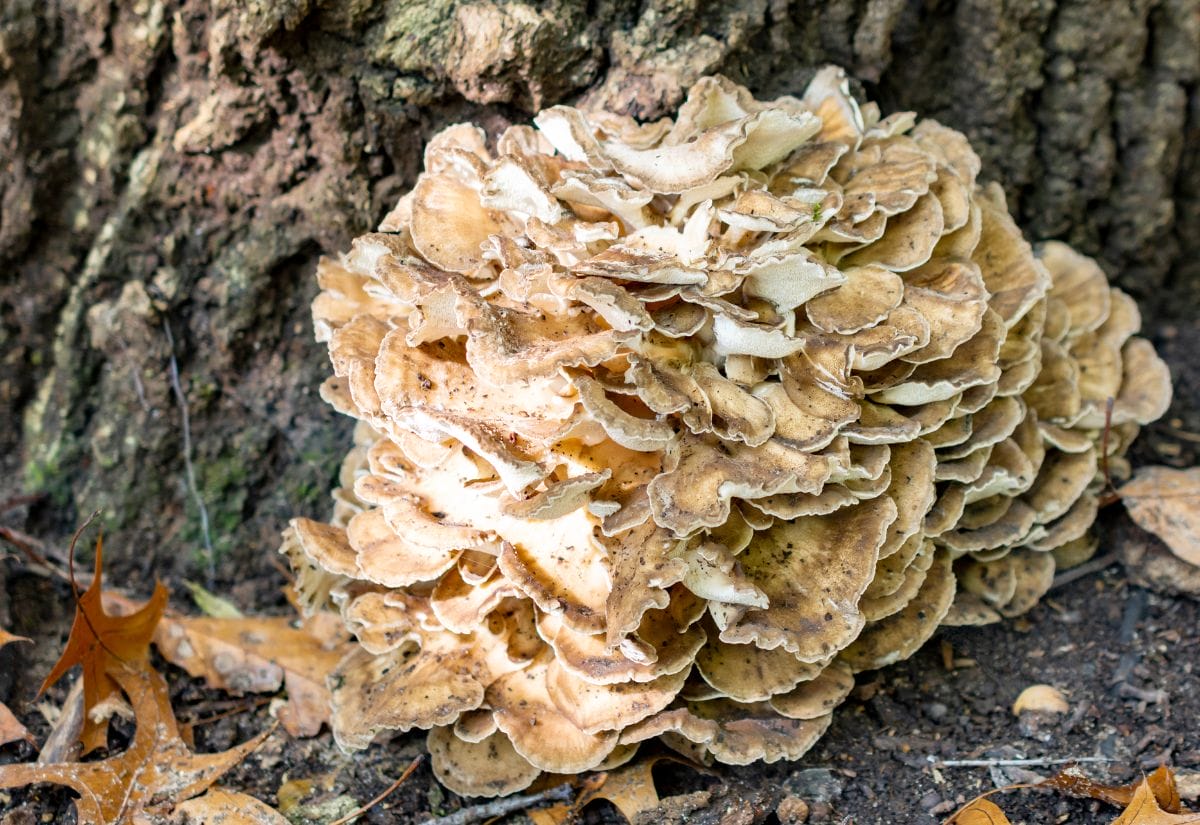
{"x": 1126, "y": 658}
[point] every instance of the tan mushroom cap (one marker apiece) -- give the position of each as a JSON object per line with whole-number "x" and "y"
{"x": 968, "y": 610}
{"x": 488, "y": 767}
{"x": 748, "y": 673}
{"x": 539, "y": 731}
{"x": 666, "y": 642}
{"x": 386, "y": 557}
{"x": 412, "y": 687}
{"x": 1079, "y": 283}
{"x": 1075, "y": 552}
{"x": 731, "y": 732}
{"x": 880, "y": 607}
{"x": 813, "y": 572}
{"x": 702, "y": 478}
{"x": 381, "y": 624}
{"x": 594, "y": 708}
{"x": 898, "y": 636}
{"x": 818, "y": 696}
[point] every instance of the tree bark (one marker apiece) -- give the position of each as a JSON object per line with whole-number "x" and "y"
{"x": 172, "y": 169}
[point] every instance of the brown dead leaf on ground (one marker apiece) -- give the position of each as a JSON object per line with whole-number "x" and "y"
{"x": 10, "y": 728}
{"x": 256, "y": 655}
{"x": 563, "y": 812}
{"x": 1072, "y": 781}
{"x": 157, "y": 769}
{"x": 224, "y": 807}
{"x": 979, "y": 812}
{"x": 1153, "y": 800}
{"x": 1166, "y": 502}
{"x": 630, "y": 788}
{"x": 102, "y": 643}
{"x": 553, "y": 815}
{"x": 7, "y": 638}
{"x": 1144, "y": 809}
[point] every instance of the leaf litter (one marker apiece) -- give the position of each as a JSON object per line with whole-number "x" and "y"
{"x": 101, "y": 643}
{"x": 11, "y": 729}
{"x": 157, "y": 770}
{"x": 1153, "y": 800}
{"x": 1166, "y": 502}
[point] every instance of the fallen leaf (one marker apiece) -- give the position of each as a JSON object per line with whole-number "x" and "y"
{"x": 210, "y": 604}
{"x": 256, "y": 655}
{"x": 979, "y": 812}
{"x": 8, "y": 638}
{"x": 1072, "y": 781}
{"x": 157, "y": 769}
{"x": 10, "y": 728}
{"x": 99, "y": 643}
{"x": 1040, "y": 699}
{"x": 1144, "y": 810}
{"x": 62, "y": 745}
{"x": 1166, "y": 502}
{"x": 630, "y": 788}
{"x": 222, "y": 807}
{"x": 554, "y": 815}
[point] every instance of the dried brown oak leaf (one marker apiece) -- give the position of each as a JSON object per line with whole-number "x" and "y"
{"x": 156, "y": 771}
{"x": 1072, "y": 781}
{"x": 11, "y": 728}
{"x": 1144, "y": 809}
{"x": 102, "y": 643}
{"x": 979, "y": 812}
{"x": 224, "y": 807}
{"x": 1166, "y": 502}
{"x": 257, "y": 655}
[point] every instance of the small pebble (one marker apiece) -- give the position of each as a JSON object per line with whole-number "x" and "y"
{"x": 930, "y": 800}
{"x": 936, "y": 711}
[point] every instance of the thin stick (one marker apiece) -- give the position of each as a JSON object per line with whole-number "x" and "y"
{"x": 350, "y": 817}
{"x": 500, "y": 807}
{"x": 1087, "y": 569}
{"x": 25, "y": 544}
{"x": 177, "y": 389}
{"x": 243, "y": 707}
{"x": 1013, "y": 763}
{"x": 20, "y": 501}
{"x": 71, "y": 557}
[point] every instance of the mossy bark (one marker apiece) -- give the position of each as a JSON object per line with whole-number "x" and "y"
{"x": 173, "y": 169}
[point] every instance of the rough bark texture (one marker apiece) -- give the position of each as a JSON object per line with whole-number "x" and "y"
{"x": 171, "y": 169}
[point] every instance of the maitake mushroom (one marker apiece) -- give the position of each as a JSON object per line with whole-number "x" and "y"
{"x": 667, "y": 429}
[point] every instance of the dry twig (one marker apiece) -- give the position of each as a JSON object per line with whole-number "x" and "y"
{"x": 350, "y": 817}
{"x": 1013, "y": 763}
{"x": 177, "y": 389}
{"x": 501, "y": 807}
{"x": 1086, "y": 569}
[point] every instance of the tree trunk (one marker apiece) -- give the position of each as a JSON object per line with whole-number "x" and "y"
{"x": 172, "y": 169}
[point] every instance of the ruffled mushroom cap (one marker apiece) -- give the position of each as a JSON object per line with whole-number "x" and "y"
{"x": 667, "y": 429}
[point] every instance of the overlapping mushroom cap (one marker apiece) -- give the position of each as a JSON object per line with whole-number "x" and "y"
{"x": 667, "y": 429}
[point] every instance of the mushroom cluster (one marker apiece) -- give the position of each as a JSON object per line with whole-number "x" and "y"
{"x": 668, "y": 429}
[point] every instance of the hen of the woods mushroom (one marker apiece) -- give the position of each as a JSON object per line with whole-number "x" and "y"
{"x": 668, "y": 429}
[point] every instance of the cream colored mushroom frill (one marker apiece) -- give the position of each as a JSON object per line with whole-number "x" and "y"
{"x": 667, "y": 429}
